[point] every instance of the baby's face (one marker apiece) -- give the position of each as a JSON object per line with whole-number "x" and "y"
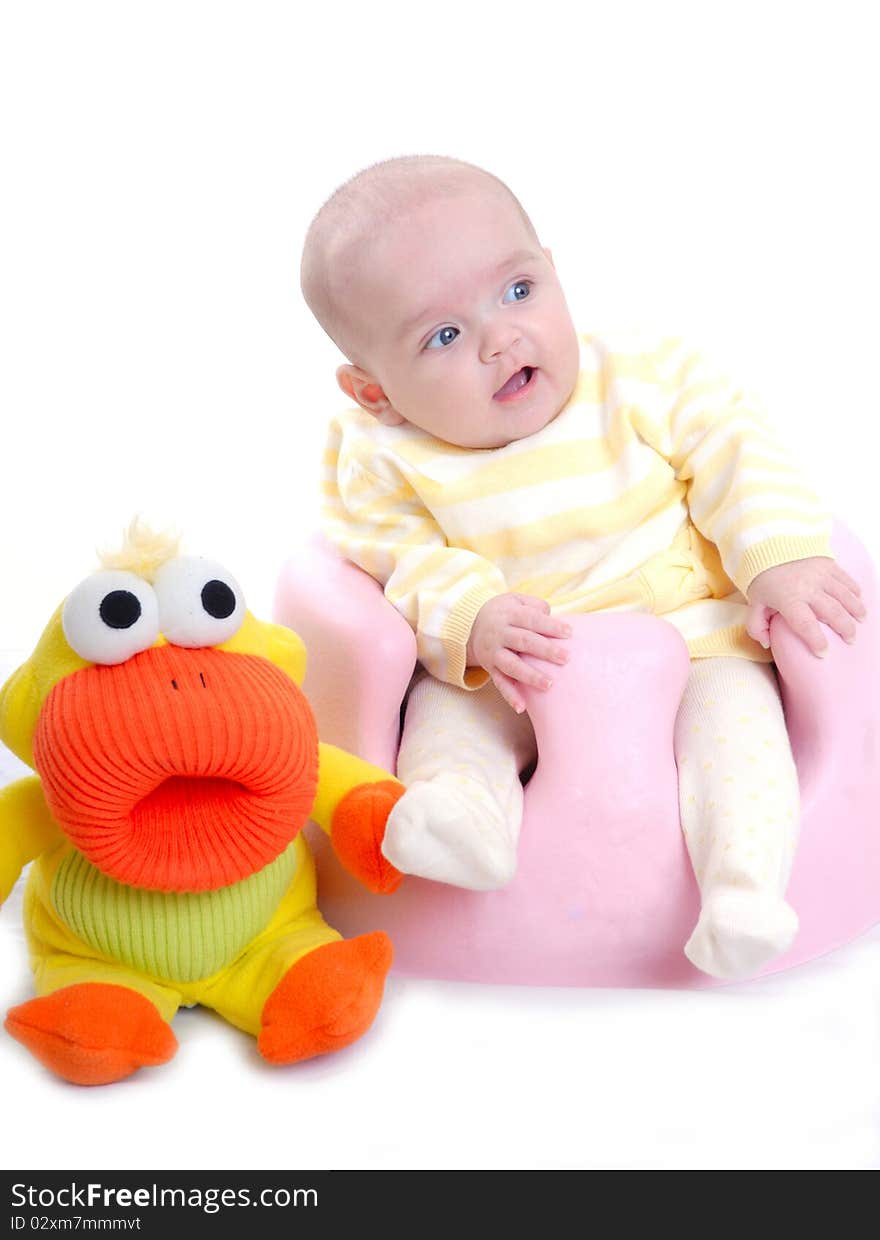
{"x": 463, "y": 323}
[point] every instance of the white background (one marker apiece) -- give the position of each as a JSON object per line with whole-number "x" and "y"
{"x": 706, "y": 168}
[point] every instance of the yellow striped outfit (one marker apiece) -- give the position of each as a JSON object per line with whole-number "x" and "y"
{"x": 657, "y": 488}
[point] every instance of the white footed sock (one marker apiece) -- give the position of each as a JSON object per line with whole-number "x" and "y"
{"x": 448, "y": 830}
{"x": 460, "y": 757}
{"x": 740, "y": 812}
{"x": 740, "y": 931}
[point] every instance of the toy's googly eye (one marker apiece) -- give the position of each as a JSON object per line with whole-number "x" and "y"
{"x": 200, "y": 603}
{"x": 111, "y": 616}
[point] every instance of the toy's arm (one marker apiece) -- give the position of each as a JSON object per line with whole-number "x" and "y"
{"x": 353, "y": 803}
{"x": 26, "y": 829}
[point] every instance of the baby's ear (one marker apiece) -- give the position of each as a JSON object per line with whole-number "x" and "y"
{"x": 366, "y": 392}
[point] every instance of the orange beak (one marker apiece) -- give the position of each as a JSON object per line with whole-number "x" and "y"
{"x": 179, "y": 770}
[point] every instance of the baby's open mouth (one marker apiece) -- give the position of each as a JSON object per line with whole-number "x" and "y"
{"x": 516, "y": 384}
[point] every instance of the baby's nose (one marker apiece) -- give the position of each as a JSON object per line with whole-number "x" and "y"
{"x": 500, "y": 340}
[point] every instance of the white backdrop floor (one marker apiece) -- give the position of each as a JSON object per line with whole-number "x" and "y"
{"x": 781, "y": 1073}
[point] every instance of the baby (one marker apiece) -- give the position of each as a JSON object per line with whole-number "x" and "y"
{"x": 500, "y": 471}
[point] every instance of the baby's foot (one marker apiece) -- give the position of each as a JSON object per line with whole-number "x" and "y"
{"x": 451, "y": 833}
{"x": 738, "y": 932}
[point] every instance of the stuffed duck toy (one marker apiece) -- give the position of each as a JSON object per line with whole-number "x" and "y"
{"x": 177, "y": 761}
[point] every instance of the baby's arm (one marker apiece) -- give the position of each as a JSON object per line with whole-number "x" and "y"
{"x": 376, "y": 519}
{"x": 507, "y": 627}
{"x": 746, "y": 496}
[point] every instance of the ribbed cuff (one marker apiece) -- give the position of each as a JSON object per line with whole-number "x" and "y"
{"x": 735, "y": 641}
{"x": 456, "y": 632}
{"x": 774, "y": 551}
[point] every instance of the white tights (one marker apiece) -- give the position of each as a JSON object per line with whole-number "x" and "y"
{"x": 458, "y": 822}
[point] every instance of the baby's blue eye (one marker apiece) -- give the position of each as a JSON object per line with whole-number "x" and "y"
{"x": 520, "y": 291}
{"x": 445, "y": 336}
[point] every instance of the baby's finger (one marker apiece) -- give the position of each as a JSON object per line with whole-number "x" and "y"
{"x": 517, "y": 669}
{"x": 842, "y": 575}
{"x": 844, "y": 595}
{"x": 546, "y": 625}
{"x": 525, "y": 641}
{"x": 507, "y": 688}
{"x": 835, "y": 616}
{"x": 529, "y": 600}
{"x": 802, "y": 620}
{"x": 758, "y": 624}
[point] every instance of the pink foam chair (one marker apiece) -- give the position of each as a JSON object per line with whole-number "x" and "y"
{"x": 604, "y": 894}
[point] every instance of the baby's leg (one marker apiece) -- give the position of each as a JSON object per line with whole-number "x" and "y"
{"x": 740, "y": 813}
{"x": 460, "y": 758}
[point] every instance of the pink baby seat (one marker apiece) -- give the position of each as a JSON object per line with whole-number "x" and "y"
{"x": 604, "y": 894}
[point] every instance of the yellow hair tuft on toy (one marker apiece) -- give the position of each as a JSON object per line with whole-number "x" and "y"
{"x": 143, "y": 551}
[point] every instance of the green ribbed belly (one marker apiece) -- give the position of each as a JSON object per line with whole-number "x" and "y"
{"x": 178, "y": 936}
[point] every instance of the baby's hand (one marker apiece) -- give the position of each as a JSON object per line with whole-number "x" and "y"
{"x": 805, "y": 592}
{"x": 510, "y": 625}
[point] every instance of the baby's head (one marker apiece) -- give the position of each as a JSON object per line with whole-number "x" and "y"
{"x": 429, "y": 276}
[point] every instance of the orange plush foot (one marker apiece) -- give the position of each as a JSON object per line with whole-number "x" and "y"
{"x": 93, "y": 1033}
{"x": 358, "y": 830}
{"x": 326, "y": 1000}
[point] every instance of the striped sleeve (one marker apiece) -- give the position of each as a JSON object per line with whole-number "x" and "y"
{"x": 379, "y": 523}
{"x": 743, "y": 492}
